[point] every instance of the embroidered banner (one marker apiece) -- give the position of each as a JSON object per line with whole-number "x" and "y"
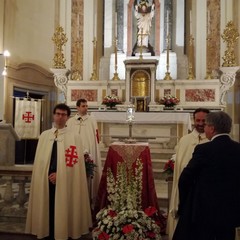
{"x": 27, "y": 118}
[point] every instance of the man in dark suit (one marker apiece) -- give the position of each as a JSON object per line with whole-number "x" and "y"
{"x": 209, "y": 186}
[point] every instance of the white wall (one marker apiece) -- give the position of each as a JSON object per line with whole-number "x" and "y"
{"x": 1, "y": 88}
{"x": 30, "y": 27}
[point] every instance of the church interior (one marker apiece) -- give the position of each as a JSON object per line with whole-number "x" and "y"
{"x": 138, "y": 51}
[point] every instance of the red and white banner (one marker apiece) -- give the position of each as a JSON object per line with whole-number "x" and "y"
{"x": 27, "y": 118}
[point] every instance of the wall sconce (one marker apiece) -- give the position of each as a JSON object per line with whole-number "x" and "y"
{"x": 6, "y": 55}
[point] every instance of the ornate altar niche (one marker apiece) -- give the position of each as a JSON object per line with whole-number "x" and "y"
{"x": 140, "y": 89}
{"x": 140, "y": 82}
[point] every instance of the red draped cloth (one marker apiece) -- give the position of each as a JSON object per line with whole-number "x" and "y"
{"x": 119, "y": 152}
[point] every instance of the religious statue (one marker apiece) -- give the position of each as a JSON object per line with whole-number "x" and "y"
{"x": 144, "y": 12}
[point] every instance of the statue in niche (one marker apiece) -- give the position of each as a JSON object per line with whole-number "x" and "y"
{"x": 144, "y": 13}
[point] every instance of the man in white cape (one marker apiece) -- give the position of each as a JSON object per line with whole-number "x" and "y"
{"x": 72, "y": 213}
{"x": 184, "y": 152}
{"x": 86, "y": 126}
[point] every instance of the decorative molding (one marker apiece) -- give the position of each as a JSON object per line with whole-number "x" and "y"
{"x": 61, "y": 80}
{"x": 227, "y": 80}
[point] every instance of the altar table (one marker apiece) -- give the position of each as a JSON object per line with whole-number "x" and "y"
{"x": 162, "y": 127}
{"x": 146, "y": 118}
{"x": 119, "y": 152}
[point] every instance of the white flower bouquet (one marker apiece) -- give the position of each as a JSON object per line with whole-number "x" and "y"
{"x": 111, "y": 100}
{"x": 169, "y": 101}
{"x": 123, "y": 218}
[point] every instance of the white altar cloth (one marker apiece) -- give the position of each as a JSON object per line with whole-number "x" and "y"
{"x": 145, "y": 118}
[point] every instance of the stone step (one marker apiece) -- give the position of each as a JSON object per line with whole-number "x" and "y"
{"x": 161, "y": 187}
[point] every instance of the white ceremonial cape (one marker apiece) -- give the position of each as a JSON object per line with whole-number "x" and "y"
{"x": 72, "y": 208}
{"x": 88, "y": 131}
{"x": 184, "y": 152}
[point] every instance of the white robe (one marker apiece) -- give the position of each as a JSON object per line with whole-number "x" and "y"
{"x": 88, "y": 131}
{"x": 184, "y": 152}
{"x": 72, "y": 208}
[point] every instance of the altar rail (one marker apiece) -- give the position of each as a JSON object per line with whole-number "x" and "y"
{"x": 14, "y": 193}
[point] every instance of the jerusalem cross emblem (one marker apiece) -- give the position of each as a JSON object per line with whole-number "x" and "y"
{"x": 27, "y": 117}
{"x": 71, "y": 156}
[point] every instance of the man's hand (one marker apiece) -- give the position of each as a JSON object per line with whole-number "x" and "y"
{"x": 174, "y": 213}
{"x": 52, "y": 178}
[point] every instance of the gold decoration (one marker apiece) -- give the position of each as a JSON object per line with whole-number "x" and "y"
{"x": 60, "y": 39}
{"x": 140, "y": 83}
{"x": 167, "y": 74}
{"x": 94, "y": 73}
{"x": 230, "y": 36}
{"x": 190, "y": 59}
{"x": 115, "y": 77}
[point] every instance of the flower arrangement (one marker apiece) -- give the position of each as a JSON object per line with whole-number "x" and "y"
{"x": 169, "y": 101}
{"x": 169, "y": 166}
{"x": 123, "y": 218}
{"x": 89, "y": 164}
{"x": 111, "y": 100}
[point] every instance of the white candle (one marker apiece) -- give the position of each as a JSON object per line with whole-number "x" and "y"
{"x": 78, "y": 27}
{"x": 94, "y": 19}
{"x": 116, "y": 24}
{"x": 167, "y": 22}
{"x": 190, "y": 17}
{"x": 208, "y": 22}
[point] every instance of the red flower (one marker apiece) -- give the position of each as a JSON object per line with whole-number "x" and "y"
{"x": 151, "y": 234}
{"x": 103, "y": 236}
{"x": 112, "y": 213}
{"x": 150, "y": 211}
{"x": 127, "y": 228}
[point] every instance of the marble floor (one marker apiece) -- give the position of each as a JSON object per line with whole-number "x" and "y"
{"x": 15, "y": 231}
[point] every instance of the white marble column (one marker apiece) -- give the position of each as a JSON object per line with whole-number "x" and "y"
{"x": 108, "y": 23}
{"x": 1, "y": 24}
{"x": 179, "y": 31}
{"x": 127, "y": 86}
{"x": 153, "y": 85}
{"x": 199, "y": 23}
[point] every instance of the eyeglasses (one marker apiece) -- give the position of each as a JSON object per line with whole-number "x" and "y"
{"x": 60, "y": 114}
